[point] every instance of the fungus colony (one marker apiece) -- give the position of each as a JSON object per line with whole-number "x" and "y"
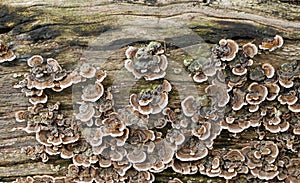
{"x": 106, "y": 144}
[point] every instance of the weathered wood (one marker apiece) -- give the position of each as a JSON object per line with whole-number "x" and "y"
{"x": 96, "y": 30}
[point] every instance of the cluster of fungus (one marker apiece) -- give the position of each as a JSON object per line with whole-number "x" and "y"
{"x": 147, "y": 136}
{"x": 148, "y": 62}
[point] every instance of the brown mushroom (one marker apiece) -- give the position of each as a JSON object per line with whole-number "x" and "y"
{"x": 191, "y": 151}
{"x": 136, "y": 156}
{"x": 151, "y": 101}
{"x": 145, "y": 62}
{"x": 87, "y": 71}
{"x": 86, "y": 112}
{"x": 268, "y": 70}
{"x": 239, "y": 70}
{"x": 218, "y": 92}
{"x": 295, "y": 107}
{"x": 92, "y": 93}
{"x": 21, "y": 116}
{"x": 53, "y": 66}
{"x": 250, "y": 50}
{"x": 130, "y": 52}
{"x": 113, "y": 126}
{"x": 238, "y": 100}
{"x": 232, "y": 49}
{"x": 189, "y": 106}
{"x": 256, "y": 93}
{"x": 273, "y": 91}
{"x": 289, "y": 98}
{"x": 184, "y": 167}
{"x": 38, "y": 99}
{"x": 35, "y": 60}
{"x": 272, "y": 44}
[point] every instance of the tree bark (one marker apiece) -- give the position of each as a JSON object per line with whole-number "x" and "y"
{"x": 100, "y": 30}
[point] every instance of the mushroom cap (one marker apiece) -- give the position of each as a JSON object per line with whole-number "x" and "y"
{"x": 238, "y": 99}
{"x": 43, "y": 178}
{"x": 163, "y": 64}
{"x": 265, "y": 175}
{"x": 184, "y": 167}
{"x": 289, "y": 98}
{"x": 272, "y": 44}
{"x": 113, "y": 126}
{"x": 233, "y": 48}
{"x": 234, "y": 155}
{"x": 65, "y": 153}
{"x": 250, "y": 50}
{"x": 35, "y": 60}
{"x": 188, "y": 106}
{"x": 100, "y": 76}
{"x": 273, "y": 91}
{"x": 268, "y": 70}
{"x": 203, "y": 131}
{"x": 239, "y": 70}
{"x": 86, "y": 112}
{"x": 42, "y": 137}
{"x": 135, "y": 104}
{"x": 229, "y": 119}
{"x": 166, "y": 86}
{"x": 52, "y": 150}
{"x": 286, "y": 82}
{"x": 53, "y": 65}
{"x": 40, "y": 85}
{"x": 70, "y": 139}
{"x": 130, "y": 52}
{"x": 199, "y": 77}
{"x": 257, "y": 93}
{"x": 184, "y": 154}
{"x": 87, "y": 71}
{"x": 294, "y": 107}
{"x": 38, "y": 99}
{"x": 253, "y": 108}
{"x": 143, "y": 63}
{"x": 175, "y": 180}
{"x": 71, "y": 78}
{"x": 92, "y": 93}
{"x": 21, "y": 116}
{"x": 218, "y": 92}
{"x": 81, "y": 160}
{"x": 136, "y": 156}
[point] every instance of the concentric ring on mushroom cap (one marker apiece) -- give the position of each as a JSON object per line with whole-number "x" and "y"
{"x": 250, "y": 50}
{"x": 232, "y": 46}
{"x": 91, "y": 93}
{"x": 272, "y": 44}
{"x": 35, "y": 60}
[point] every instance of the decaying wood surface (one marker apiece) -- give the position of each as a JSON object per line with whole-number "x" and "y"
{"x": 100, "y": 30}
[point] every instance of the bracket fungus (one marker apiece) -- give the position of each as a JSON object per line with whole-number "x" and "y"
{"x": 218, "y": 93}
{"x": 151, "y": 101}
{"x": 272, "y": 44}
{"x": 148, "y": 62}
{"x": 227, "y": 49}
{"x": 108, "y": 143}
